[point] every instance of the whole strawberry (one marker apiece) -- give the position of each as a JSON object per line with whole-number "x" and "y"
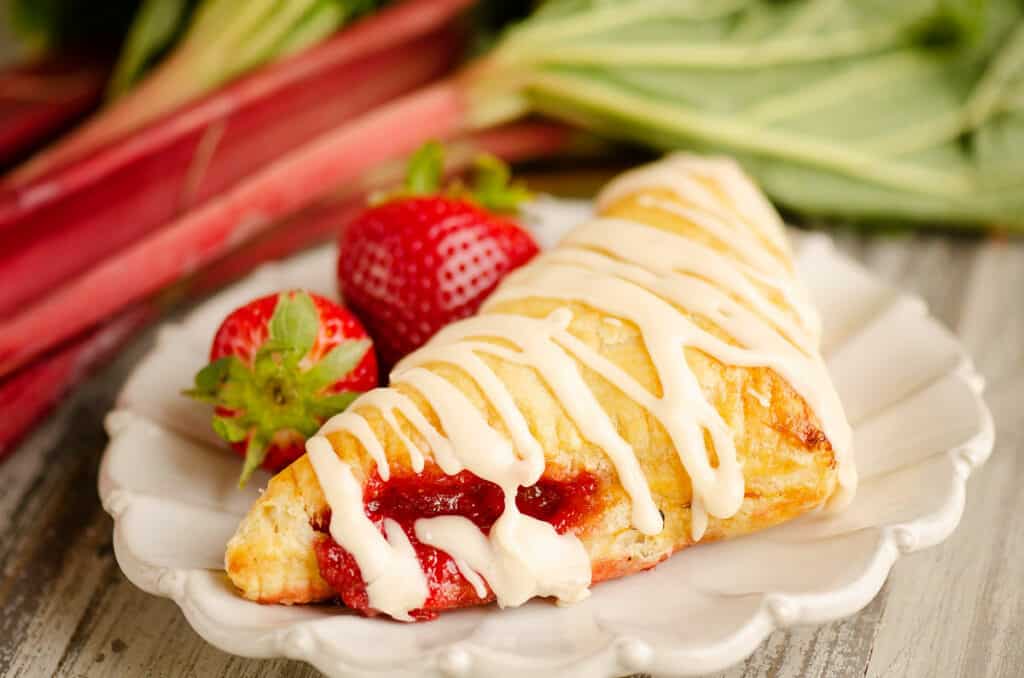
{"x": 420, "y": 260}
{"x": 280, "y": 366}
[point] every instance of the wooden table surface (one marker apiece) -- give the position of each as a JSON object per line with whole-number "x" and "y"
{"x": 953, "y": 610}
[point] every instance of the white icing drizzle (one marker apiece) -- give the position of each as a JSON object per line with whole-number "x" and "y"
{"x": 665, "y": 253}
{"x": 386, "y": 403}
{"x": 394, "y": 581}
{"x": 522, "y": 558}
{"x": 516, "y": 562}
{"x": 682, "y": 409}
{"x": 474, "y": 579}
{"x": 747, "y": 209}
{"x": 537, "y": 348}
{"x": 356, "y": 424}
{"x": 677, "y": 172}
{"x": 741, "y": 241}
{"x": 473, "y": 444}
{"x": 698, "y": 518}
{"x": 630, "y": 272}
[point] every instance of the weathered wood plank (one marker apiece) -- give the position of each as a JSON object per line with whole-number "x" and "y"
{"x": 839, "y": 649}
{"x": 127, "y": 632}
{"x": 47, "y": 580}
{"x": 55, "y": 545}
{"x": 67, "y": 609}
{"x": 958, "y": 609}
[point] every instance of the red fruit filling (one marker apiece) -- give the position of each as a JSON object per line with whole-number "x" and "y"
{"x": 562, "y": 503}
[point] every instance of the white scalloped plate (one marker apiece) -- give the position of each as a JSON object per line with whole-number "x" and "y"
{"x": 920, "y": 428}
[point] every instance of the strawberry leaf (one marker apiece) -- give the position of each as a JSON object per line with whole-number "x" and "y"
{"x": 209, "y": 379}
{"x": 229, "y": 429}
{"x": 272, "y": 401}
{"x": 210, "y": 382}
{"x": 492, "y": 186}
{"x": 293, "y": 327}
{"x": 267, "y": 363}
{"x": 327, "y": 406}
{"x": 255, "y": 453}
{"x": 333, "y": 367}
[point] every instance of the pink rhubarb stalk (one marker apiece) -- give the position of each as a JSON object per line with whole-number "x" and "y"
{"x": 224, "y": 222}
{"x": 215, "y": 228}
{"x": 153, "y": 97}
{"x": 106, "y": 201}
{"x": 37, "y": 100}
{"x": 31, "y": 393}
{"x": 327, "y": 218}
{"x": 35, "y": 390}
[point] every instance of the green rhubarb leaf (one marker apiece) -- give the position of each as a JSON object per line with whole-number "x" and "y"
{"x": 227, "y": 38}
{"x": 871, "y": 111}
{"x": 322, "y": 19}
{"x": 333, "y": 367}
{"x": 178, "y": 50}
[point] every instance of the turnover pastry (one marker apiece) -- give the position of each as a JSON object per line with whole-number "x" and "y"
{"x": 653, "y": 382}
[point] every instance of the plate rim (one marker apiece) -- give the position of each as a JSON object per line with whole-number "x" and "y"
{"x": 621, "y": 653}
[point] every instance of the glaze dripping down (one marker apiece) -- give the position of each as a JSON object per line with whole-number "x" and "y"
{"x": 656, "y": 281}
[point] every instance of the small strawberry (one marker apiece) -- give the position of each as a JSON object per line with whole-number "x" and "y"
{"x": 420, "y": 260}
{"x": 280, "y": 366}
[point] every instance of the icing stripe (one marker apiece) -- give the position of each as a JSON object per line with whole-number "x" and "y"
{"x": 658, "y": 281}
{"x": 537, "y": 349}
{"x": 664, "y": 252}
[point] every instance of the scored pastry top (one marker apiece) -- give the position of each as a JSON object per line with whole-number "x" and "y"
{"x": 688, "y": 254}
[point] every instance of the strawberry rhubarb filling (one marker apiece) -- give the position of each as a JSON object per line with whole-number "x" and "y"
{"x": 564, "y": 504}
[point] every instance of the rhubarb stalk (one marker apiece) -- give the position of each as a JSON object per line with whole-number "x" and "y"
{"x": 89, "y": 224}
{"x": 327, "y": 217}
{"x": 233, "y": 217}
{"x": 39, "y": 99}
{"x": 109, "y": 199}
{"x": 47, "y": 379}
{"x": 223, "y": 40}
{"x": 35, "y": 390}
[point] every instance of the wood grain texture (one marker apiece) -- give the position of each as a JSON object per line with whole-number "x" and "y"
{"x": 953, "y": 610}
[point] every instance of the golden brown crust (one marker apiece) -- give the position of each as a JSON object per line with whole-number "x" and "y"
{"x": 270, "y": 559}
{"x": 788, "y": 464}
